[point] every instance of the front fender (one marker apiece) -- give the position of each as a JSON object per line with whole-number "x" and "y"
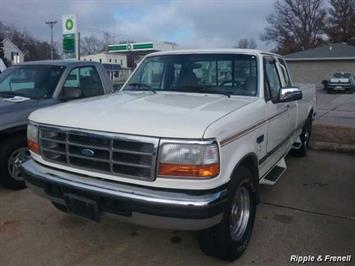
{"x": 234, "y": 153}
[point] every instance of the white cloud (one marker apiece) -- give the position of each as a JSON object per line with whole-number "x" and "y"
{"x": 191, "y": 23}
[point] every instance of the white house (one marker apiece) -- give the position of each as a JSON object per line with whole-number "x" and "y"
{"x": 106, "y": 58}
{"x": 12, "y": 53}
{"x": 115, "y": 65}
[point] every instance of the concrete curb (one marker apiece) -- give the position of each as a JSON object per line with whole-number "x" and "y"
{"x": 333, "y": 138}
{"x": 328, "y": 146}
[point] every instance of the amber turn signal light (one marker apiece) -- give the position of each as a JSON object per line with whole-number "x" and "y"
{"x": 33, "y": 146}
{"x": 189, "y": 171}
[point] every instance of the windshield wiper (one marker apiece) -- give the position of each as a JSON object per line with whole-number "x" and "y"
{"x": 141, "y": 87}
{"x": 11, "y": 93}
{"x": 223, "y": 93}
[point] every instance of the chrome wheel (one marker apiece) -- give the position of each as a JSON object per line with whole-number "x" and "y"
{"x": 15, "y": 160}
{"x": 240, "y": 213}
{"x": 306, "y": 137}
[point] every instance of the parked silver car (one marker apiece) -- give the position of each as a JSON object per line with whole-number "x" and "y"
{"x": 33, "y": 85}
{"x": 341, "y": 82}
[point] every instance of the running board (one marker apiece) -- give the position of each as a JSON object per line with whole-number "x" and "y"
{"x": 274, "y": 175}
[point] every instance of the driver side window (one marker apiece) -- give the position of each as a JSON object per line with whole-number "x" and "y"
{"x": 87, "y": 79}
{"x": 272, "y": 79}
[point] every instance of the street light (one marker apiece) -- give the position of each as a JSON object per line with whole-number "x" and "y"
{"x": 51, "y": 24}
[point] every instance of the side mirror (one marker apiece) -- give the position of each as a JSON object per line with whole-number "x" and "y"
{"x": 71, "y": 93}
{"x": 289, "y": 94}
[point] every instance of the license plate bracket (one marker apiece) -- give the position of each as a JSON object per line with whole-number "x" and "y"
{"x": 83, "y": 207}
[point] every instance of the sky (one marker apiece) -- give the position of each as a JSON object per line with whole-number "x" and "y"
{"x": 194, "y": 23}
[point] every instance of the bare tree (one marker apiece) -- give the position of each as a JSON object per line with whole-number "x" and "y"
{"x": 32, "y": 48}
{"x": 126, "y": 41}
{"x": 90, "y": 45}
{"x": 341, "y": 21}
{"x": 108, "y": 38}
{"x": 246, "y": 43}
{"x": 93, "y": 45}
{"x": 296, "y": 25}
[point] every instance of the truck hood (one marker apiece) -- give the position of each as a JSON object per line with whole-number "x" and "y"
{"x": 164, "y": 114}
{"x": 8, "y": 106}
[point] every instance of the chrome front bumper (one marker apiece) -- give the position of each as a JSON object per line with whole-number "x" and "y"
{"x": 147, "y": 206}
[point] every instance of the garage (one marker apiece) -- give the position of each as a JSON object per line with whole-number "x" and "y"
{"x": 317, "y": 64}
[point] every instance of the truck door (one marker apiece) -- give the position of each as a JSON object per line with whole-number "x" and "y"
{"x": 278, "y": 115}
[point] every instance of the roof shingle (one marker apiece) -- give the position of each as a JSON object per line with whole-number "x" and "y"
{"x": 335, "y": 51}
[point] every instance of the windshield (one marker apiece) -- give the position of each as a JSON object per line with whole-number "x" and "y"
{"x": 202, "y": 73}
{"x": 30, "y": 81}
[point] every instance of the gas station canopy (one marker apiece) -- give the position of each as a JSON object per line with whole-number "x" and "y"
{"x": 140, "y": 47}
{"x": 136, "y": 51}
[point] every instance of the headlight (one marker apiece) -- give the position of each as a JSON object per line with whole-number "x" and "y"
{"x": 195, "y": 160}
{"x": 32, "y": 138}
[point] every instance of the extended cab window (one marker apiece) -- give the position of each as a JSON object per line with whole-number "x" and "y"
{"x": 272, "y": 79}
{"x": 87, "y": 79}
{"x": 285, "y": 72}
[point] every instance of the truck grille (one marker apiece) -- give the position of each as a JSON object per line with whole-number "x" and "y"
{"x": 115, "y": 154}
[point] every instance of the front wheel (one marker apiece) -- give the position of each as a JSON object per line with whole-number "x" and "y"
{"x": 13, "y": 153}
{"x": 230, "y": 238}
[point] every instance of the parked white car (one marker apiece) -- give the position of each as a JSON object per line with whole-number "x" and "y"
{"x": 183, "y": 145}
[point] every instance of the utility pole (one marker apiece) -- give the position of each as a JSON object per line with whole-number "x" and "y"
{"x": 51, "y": 24}
{"x": 77, "y": 46}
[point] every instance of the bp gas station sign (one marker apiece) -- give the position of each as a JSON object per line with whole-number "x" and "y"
{"x": 69, "y": 35}
{"x": 131, "y": 47}
{"x": 69, "y": 24}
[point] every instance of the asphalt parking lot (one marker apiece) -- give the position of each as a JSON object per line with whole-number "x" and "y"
{"x": 335, "y": 109}
{"x": 310, "y": 211}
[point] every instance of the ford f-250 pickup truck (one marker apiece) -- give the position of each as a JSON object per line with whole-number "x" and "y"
{"x": 30, "y": 86}
{"x": 184, "y": 144}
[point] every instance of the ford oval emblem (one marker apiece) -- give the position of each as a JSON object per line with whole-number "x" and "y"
{"x": 87, "y": 152}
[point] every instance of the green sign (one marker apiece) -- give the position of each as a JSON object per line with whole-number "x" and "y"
{"x": 69, "y": 43}
{"x": 69, "y": 24}
{"x": 126, "y": 47}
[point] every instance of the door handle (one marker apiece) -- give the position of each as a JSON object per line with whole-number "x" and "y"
{"x": 260, "y": 139}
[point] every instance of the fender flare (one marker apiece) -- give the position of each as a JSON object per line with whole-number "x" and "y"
{"x": 250, "y": 160}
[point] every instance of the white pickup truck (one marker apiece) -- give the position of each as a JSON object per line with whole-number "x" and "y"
{"x": 184, "y": 144}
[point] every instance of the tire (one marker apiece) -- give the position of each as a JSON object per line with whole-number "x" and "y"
{"x": 219, "y": 241}
{"x": 305, "y": 138}
{"x": 60, "y": 207}
{"x": 10, "y": 149}
{"x": 325, "y": 84}
{"x": 329, "y": 91}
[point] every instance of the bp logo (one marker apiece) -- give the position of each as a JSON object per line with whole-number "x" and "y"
{"x": 129, "y": 47}
{"x": 69, "y": 24}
